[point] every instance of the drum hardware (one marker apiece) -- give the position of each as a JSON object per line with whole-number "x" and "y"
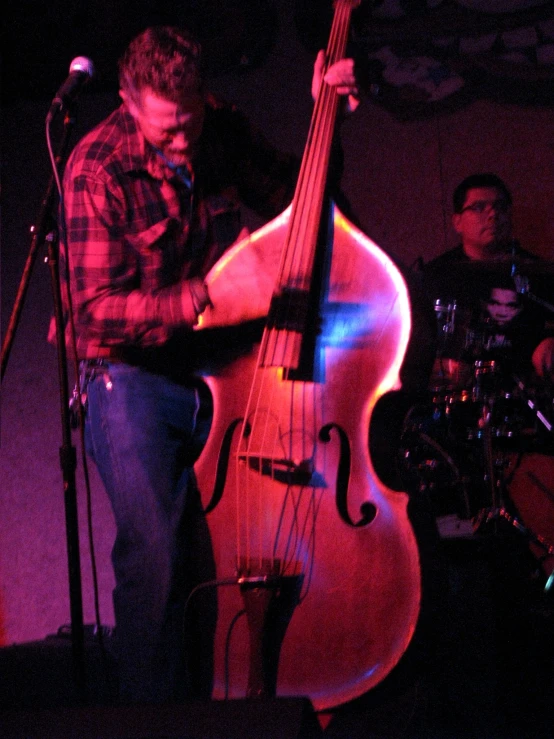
{"x": 466, "y": 414}
{"x": 492, "y": 477}
{"x": 453, "y": 449}
{"x": 529, "y": 484}
{"x": 458, "y": 447}
{"x": 455, "y": 446}
{"x": 522, "y": 285}
{"x": 446, "y": 317}
{"x": 429, "y": 466}
{"x": 532, "y": 405}
{"x": 466, "y": 484}
{"x": 494, "y": 514}
{"x": 486, "y": 375}
{"x": 445, "y": 314}
{"x": 503, "y": 502}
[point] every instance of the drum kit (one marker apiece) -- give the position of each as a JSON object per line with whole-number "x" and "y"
{"x": 480, "y": 444}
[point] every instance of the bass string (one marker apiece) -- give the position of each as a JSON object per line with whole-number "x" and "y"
{"x": 280, "y": 347}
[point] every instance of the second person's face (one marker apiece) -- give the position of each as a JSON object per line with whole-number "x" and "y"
{"x": 485, "y": 220}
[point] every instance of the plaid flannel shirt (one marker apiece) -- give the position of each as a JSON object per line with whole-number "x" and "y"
{"x": 133, "y": 234}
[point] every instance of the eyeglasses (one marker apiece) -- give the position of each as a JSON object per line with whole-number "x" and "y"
{"x": 480, "y": 206}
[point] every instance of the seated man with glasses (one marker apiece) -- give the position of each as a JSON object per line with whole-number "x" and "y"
{"x": 494, "y": 348}
{"x": 451, "y": 331}
{"x": 460, "y": 279}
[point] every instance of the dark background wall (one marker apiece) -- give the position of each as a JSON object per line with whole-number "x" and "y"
{"x": 399, "y": 178}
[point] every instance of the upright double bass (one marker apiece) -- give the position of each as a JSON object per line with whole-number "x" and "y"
{"x": 318, "y": 556}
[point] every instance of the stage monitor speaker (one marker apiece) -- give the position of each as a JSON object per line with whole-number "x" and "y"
{"x": 280, "y": 718}
{"x": 40, "y": 675}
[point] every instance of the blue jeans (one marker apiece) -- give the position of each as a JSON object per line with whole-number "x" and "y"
{"x": 143, "y": 431}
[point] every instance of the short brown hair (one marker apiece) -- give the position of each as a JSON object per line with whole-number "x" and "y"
{"x": 165, "y": 59}
{"x": 485, "y": 179}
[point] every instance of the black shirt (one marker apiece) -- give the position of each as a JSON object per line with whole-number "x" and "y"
{"x": 481, "y": 314}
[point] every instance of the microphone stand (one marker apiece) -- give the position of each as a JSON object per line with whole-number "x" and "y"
{"x": 45, "y": 231}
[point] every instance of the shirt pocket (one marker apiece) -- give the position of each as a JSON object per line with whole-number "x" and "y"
{"x": 159, "y": 253}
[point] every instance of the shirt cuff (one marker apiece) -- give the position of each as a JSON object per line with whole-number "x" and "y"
{"x": 198, "y": 298}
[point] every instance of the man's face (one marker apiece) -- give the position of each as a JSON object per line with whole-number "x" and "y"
{"x": 485, "y": 223}
{"x": 173, "y": 128}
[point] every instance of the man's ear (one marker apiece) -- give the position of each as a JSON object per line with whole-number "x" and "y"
{"x": 131, "y": 105}
{"x": 456, "y": 218}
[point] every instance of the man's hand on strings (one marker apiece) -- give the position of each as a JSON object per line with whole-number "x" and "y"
{"x": 241, "y": 283}
{"x": 341, "y": 75}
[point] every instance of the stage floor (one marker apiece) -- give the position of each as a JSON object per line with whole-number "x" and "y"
{"x": 460, "y": 689}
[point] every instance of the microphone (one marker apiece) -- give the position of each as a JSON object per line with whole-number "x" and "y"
{"x": 81, "y": 70}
